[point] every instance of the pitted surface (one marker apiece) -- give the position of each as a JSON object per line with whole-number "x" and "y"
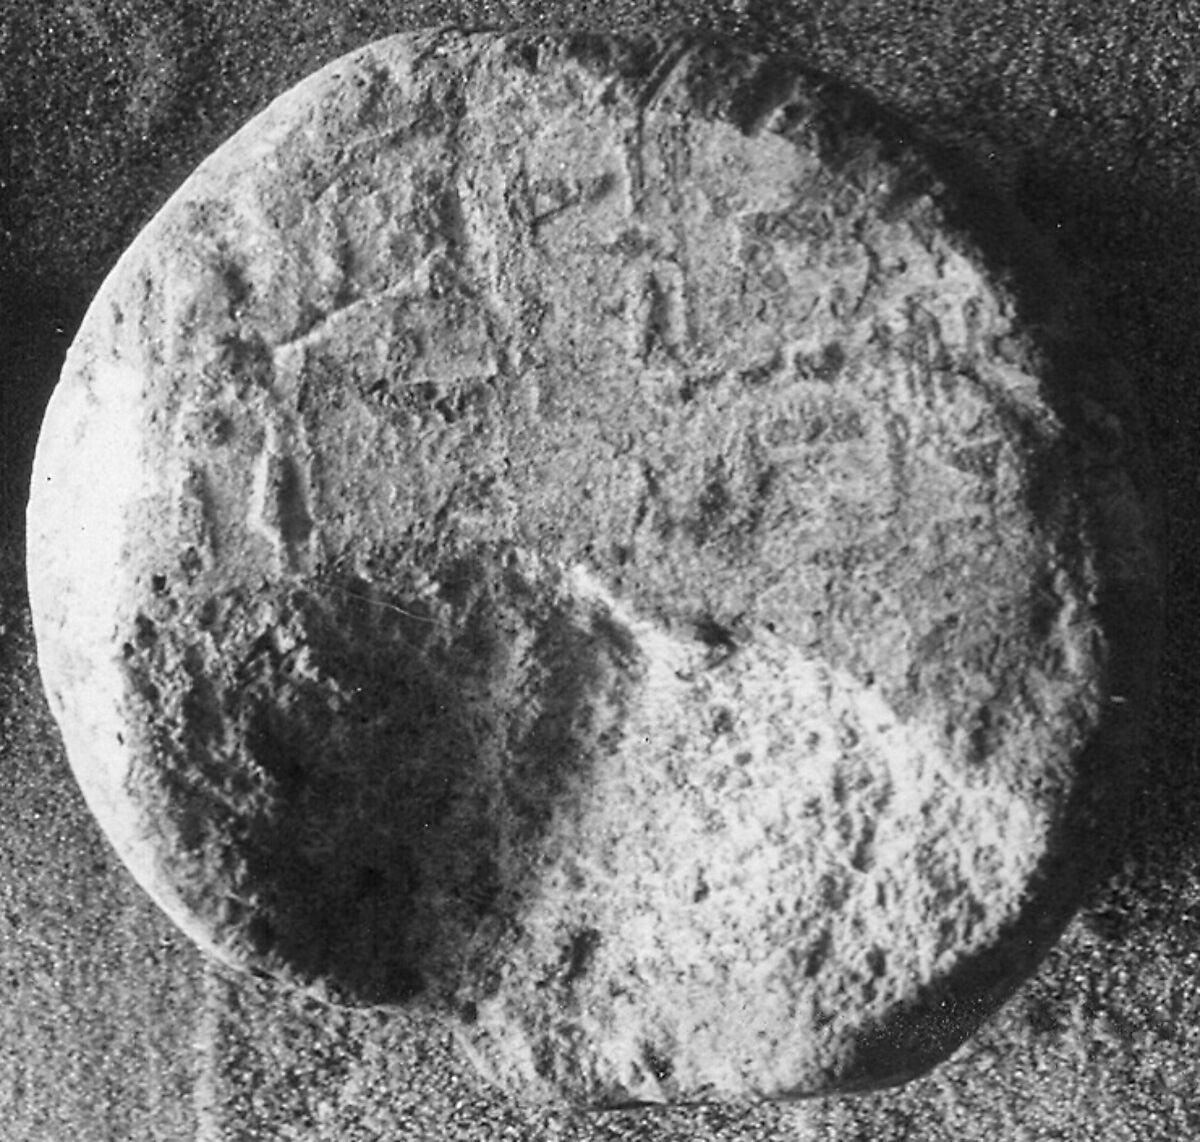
{"x": 601, "y": 552}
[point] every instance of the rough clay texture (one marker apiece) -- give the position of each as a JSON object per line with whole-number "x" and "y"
{"x": 571, "y": 532}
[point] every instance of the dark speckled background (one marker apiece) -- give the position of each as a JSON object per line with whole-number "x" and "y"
{"x": 111, "y": 1027}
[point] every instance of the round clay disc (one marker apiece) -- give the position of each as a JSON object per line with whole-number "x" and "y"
{"x": 596, "y": 536}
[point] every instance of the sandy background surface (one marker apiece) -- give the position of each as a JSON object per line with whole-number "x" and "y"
{"x": 111, "y": 1027}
